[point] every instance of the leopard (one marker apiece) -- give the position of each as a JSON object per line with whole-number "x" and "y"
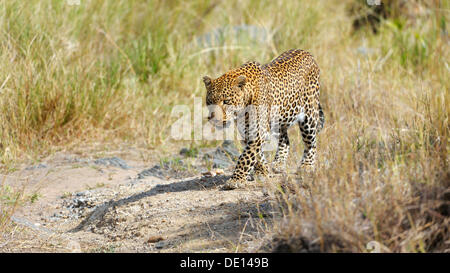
{"x": 267, "y": 100}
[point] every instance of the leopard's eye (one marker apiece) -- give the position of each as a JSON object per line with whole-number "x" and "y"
{"x": 227, "y": 102}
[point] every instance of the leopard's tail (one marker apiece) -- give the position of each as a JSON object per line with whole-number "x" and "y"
{"x": 321, "y": 119}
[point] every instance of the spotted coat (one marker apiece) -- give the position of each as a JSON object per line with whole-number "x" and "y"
{"x": 268, "y": 99}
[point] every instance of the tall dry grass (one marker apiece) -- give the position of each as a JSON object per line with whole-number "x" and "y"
{"x": 105, "y": 70}
{"x": 383, "y": 181}
{"x": 9, "y": 201}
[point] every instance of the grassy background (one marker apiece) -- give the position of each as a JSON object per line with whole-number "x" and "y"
{"x": 108, "y": 70}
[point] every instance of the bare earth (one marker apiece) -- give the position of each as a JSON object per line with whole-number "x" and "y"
{"x": 122, "y": 204}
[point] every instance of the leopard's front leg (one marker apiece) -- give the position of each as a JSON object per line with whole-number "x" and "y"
{"x": 261, "y": 167}
{"x": 245, "y": 164}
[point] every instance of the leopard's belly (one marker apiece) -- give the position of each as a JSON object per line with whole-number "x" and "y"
{"x": 292, "y": 116}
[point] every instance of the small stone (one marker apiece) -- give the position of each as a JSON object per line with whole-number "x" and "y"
{"x": 154, "y": 239}
{"x": 39, "y": 166}
{"x": 208, "y": 174}
{"x": 154, "y": 171}
{"x": 184, "y": 151}
{"x": 160, "y": 244}
{"x": 112, "y": 161}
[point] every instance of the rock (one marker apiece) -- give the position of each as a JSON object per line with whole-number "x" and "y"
{"x": 189, "y": 152}
{"x": 82, "y": 203}
{"x": 160, "y": 244}
{"x": 83, "y": 194}
{"x": 39, "y": 166}
{"x": 213, "y": 173}
{"x": 184, "y": 151}
{"x": 208, "y": 174}
{"x": 79, "y": 205}
{"x": 224, "y": 156}
{"x": 173, "y": 168}
{"x": 153, "y": 171}
{"x": 154, "y": 239}
{"x": 112, "y": 161}
{"x": 231, "y": 149}
{"x": 220, "y": 162}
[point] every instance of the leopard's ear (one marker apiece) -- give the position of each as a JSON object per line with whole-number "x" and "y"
{"x": 241, "y": 80}
{"x": 207, "y": 81}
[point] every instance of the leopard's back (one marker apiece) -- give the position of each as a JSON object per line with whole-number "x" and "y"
{"x": 293, "y": 85}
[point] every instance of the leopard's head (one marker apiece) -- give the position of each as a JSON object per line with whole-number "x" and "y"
{"x": 225, "y": 97}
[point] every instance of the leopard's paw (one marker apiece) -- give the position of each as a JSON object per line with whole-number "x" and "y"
{"x": 232, "y": 184}
{"x": 306, "y": 168}
{"x": 261, "y": 169}
{"x": 261, "y": 172}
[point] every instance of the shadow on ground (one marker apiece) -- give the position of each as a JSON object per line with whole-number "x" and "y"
{"x": 187, "y": 185}
{"x": 238, "y": 223}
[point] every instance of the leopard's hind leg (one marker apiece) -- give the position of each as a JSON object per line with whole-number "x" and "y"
{"x": 279, "y": 164}
{"x": 313, "y": 121}
{"x": 308, "y": 129}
